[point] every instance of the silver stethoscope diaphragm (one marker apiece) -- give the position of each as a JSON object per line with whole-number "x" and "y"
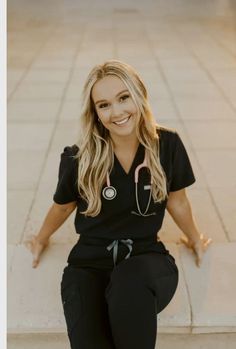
{"x": 109, "y": 192}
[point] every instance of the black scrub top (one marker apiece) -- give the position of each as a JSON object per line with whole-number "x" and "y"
{"x": 116, "y": 220}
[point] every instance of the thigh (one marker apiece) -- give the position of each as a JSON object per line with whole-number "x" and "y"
{"x": 144, "y": 267}
{"x": 157, "y": 272}
{"x": 85, "y": 308}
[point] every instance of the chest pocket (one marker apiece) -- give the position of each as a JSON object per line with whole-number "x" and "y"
{"x": 143, "y": 200}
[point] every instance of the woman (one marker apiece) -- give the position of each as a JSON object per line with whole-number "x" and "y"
{"x": 122, "y": 174}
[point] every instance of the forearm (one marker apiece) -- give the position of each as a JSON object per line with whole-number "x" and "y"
{"x": 53, "y": 220}
{"x": 183, "y": 217}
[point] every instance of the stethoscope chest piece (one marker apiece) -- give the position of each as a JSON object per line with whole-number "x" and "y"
{"x": 109, "y": 192}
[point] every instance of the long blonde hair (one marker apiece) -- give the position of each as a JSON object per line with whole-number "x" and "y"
{"x": 96, "y": 152}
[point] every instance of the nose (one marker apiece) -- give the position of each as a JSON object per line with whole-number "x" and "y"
{"x": 116, "y": 110}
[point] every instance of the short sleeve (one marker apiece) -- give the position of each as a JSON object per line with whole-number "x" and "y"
{"x": 66, "y": 190}
{"x": 182, "y": 172}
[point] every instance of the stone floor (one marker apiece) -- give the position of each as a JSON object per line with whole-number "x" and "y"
{"x": 185, "y": 51}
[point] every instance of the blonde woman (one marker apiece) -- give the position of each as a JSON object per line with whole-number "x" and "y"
{"x": 120, "y": 176}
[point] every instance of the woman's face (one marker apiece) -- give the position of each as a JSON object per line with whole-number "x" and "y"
{"x": 114, "y": 106}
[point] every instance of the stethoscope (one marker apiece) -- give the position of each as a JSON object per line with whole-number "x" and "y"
{"x": 109, "y": 192}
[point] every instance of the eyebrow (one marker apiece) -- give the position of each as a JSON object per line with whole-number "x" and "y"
{"x": 103, "y": 100}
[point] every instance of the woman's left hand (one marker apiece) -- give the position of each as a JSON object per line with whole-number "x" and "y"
{"x": 198, "y": 247}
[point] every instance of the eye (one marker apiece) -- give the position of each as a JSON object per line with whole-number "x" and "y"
{"x": 124, "y": 97}
{"x": 103, "y": 105}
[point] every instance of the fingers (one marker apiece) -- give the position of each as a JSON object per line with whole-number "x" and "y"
{"x": 183, "y": 240}
{"x": 36, "y": 256}
{"x": 198, "y": 262}
{"x": 201, "y": 248}
{"x": 199, "y": 254}
{"x": 198, "y": 248}
{"x": 204, "y": 241}
{"x": 35, "y": 262}
{"x": 35, "y": 248}
{"x": 195, "y": 251}
{"x": 207, "y": 242}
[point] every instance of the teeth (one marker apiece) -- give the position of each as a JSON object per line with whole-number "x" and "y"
{"x": 122, "y": 121}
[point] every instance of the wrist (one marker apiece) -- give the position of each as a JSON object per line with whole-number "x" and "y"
{"x": 194, "y": 239}
{"x": 42, "y": 240}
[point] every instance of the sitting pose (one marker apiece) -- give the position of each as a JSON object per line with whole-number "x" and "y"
{"x": 120, "y": 176}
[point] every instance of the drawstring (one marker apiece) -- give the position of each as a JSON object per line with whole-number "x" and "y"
{"x": 114, "y": 245}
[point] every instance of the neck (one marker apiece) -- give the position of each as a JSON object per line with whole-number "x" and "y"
{"x": 125, "y": 143}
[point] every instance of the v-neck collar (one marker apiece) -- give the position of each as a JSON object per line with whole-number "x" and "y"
{"x": 134, "y": 162}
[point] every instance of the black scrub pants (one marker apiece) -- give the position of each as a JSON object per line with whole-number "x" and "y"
{"x": 117, "y": 309}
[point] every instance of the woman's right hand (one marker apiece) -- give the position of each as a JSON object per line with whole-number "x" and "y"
{"x": 36, "y": 247}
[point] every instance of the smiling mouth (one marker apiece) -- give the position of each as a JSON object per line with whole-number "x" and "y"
{"x": 123, "y": 121}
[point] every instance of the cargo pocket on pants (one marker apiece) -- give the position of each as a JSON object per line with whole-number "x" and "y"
{"x": 71, "y": 299}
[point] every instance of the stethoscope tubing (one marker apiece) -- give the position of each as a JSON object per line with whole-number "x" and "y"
{"x": 109, "y": 192}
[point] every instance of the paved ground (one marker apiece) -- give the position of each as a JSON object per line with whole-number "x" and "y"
{"x": 185, "y": 51}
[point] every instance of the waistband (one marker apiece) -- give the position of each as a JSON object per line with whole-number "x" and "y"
{"x": 114, "y": 243}
{"x": 105, "y": 241}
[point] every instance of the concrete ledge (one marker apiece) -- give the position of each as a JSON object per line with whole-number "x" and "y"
{"x": 204, "y": 301}
{"x": 164, "y": 341}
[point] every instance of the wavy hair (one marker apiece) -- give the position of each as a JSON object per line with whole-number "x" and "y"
{"x": 96, "y": 152}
